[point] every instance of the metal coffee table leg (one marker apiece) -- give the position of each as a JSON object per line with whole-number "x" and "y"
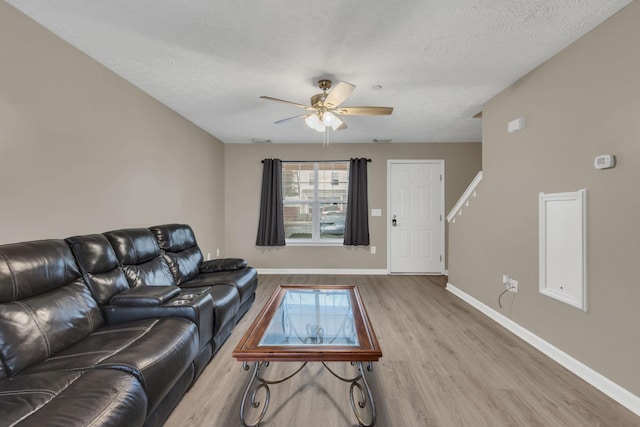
{"x": 359, "y": 386}
{"x": 255, "y": 384}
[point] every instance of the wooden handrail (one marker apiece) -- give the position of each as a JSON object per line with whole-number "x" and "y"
{"x": 465, "y": 196}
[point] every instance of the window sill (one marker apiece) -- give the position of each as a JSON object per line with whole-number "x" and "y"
{"x": 337, "y": 242}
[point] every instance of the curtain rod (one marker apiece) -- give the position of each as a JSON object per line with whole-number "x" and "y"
{"x": 315, "y": 161}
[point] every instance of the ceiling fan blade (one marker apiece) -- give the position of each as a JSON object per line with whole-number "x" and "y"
{"x": 306, "y": 107}
{"x": 338, "y": 94}
{"x": 364, "y": 111}
{"x": 279, "y": 122}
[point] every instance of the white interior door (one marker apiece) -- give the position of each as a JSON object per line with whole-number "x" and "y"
{"x": 416, "y": 210}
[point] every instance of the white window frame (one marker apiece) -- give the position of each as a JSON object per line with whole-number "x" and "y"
{"x": 315, "y": 209}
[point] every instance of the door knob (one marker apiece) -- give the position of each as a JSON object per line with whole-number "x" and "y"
{"x": 394, "y": 221}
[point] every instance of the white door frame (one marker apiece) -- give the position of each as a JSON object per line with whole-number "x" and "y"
{"x": 442, "y": 239}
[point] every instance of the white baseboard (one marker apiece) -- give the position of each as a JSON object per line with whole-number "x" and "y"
{"x": 322, "y": 271}
{"x": 602, "y": 383}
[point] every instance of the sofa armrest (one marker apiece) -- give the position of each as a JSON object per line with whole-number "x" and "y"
{"x": 223, "y": 264}
{"x": 145, "y": 296}
{"x": 195, "y": 304}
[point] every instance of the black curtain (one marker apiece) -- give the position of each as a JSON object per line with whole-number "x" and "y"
{"x": 356, "y": 226}
{"x": 271, "y": 223}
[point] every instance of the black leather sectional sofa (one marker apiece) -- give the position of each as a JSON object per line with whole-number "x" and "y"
{"x": 111, "y": 329}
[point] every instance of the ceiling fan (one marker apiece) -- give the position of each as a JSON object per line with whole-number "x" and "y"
{"x": 324, "y": 111}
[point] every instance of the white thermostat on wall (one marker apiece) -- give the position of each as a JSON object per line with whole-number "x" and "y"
{"x": 605, "y": 161}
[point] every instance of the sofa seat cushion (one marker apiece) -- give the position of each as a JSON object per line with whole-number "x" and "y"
{"x": 244, "y": 279}
{"x": 97, "y": 397}
{"x": 156, "y": 351}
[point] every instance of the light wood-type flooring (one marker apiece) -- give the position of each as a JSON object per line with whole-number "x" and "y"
{"x": 444, "y": 364}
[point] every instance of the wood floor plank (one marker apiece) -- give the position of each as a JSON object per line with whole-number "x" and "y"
{"x": 444, "y": 364}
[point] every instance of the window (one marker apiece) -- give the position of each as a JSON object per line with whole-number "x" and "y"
{"x": 314, "y": 201}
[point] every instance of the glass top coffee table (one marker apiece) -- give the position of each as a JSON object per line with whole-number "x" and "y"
{"x": 303, "y": 323}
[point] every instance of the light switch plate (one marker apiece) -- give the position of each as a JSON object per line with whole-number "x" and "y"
{"x": 376, "y": 212}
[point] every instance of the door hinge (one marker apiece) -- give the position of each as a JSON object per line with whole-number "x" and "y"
{"x": 440, "y": 258}
{"x": 440, "y": 177}
{"x": 440, "y": 217}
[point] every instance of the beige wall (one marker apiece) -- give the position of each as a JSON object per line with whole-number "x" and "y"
{"x": 83, "y": 151}
{"x": 582, "y": 103}
{"x": 243, "y": 176}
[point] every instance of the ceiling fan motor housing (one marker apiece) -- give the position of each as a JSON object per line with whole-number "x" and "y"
{"x": 324, "y": 84}
{"x": 317, "y": 100}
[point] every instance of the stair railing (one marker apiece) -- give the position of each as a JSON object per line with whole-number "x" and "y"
{"x": 463, "y": 201}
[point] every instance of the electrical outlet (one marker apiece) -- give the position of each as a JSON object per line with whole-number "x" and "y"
{"x": 510, "y": 283}
{"x": 373, "y": 250}
{"x": 217, "y": 252}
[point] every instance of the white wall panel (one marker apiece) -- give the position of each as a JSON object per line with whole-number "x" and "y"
{"x": 562, "y": 247}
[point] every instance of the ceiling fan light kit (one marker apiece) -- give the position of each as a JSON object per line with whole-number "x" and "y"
{"x": 324, "y": 108}
{"x": 314, "y": 122}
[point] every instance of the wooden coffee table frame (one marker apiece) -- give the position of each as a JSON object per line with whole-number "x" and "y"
{"x": 367, "y": 351}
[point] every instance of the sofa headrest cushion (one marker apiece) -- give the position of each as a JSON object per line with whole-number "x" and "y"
{"x": 134, "y": 245}
{"x": 174, "y": 237}
{"x": 33, "y": 268}
{"x": 93, "y": 253}
{"x": 99, "y": 265}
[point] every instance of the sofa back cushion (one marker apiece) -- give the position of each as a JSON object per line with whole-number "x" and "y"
{"x": 44, "y": 305}
{"x": 140, "y": 256}
{"x": 180, "y": 248}
{"x": 99, "y": 266}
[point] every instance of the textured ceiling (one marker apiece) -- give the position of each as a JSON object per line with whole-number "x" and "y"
{"x": 437, "y": 61}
